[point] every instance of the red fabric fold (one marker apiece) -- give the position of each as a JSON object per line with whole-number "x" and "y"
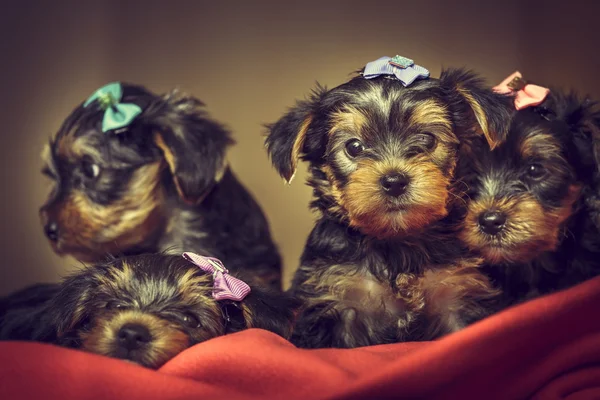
{"x": 548, "y": 348}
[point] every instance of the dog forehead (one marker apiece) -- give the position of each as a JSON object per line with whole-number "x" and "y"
{"x": 106, "y": 149}
{"x": 380, "y": 93}
{"x": 151, "y": 278}
{"x": 74, "y": 145}
{"x": 531, "y": 136}
{"x": 387, "y": 107}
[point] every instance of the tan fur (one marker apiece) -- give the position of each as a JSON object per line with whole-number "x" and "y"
{"x": 171, "y": 162}
{"x": 344, "y": 290}
{"x": 248, "y": 316}
{"x": 76, "y": 316}
{"x": 481, "y": 118}
{"x": 46, "y": 155}
{"x": 297, "y": 147}
{"x": 529, "y": 230}
{"x": 539, "y": 144}
{"x": 117, "y": 278}
{"x": 442, "y": 295}
{"x": 195, "y": 288}
{"x": 65, "y": 147}
{"x": 91, "y": 230}
{"x": 344, "y": 283}
{"x": 348, "y": 119}
{"x": 331, "y": 189}
{"x": 167, "y": 340}
{"x": 431, "y": 112}
{"x": 192, "y": 290}
{"x": 425, "y": 200}
{"x": 438, "y": 299}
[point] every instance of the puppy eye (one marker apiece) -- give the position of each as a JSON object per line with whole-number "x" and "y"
{"x": 191, "y": 321}
{"x": 536, "y": 171}
{"x": 425, "y": 139}
{"x": 89, "y": 169}
{"x": 86, "y": 323}
{"x": 354, "y": 147}
{"x": 422, "y": 142}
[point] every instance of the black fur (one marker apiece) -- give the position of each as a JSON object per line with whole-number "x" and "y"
{"x": 22, "y": 311}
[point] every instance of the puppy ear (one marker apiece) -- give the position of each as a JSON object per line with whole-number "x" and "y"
{"x": 471, "y": 98}
{"x": 286, "y": 138}
{"x": 270, "y": 310}
{"x": 193, "y": 145}
{"x": 67, "y": 308}
{"x": 582, "y": 117}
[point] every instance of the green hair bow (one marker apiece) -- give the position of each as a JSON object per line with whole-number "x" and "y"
{"x": 116, "y": 114}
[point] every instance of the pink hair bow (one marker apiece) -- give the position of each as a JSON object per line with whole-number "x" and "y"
{"x": 225, "y": 286}
{"x": 527, "y": 95}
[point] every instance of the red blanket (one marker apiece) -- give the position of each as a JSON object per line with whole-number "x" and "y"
{"x": 546, "y": 349}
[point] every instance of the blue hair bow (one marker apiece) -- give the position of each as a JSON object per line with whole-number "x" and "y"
{"x": 116, "y": 115}
{"x": 402, "y": 68}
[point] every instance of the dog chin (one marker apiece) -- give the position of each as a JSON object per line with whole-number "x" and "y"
{"x": 386, "y": 223}
{"x": 497, "y": 254}
{"x": 131, "y": 359}
{"x": 393, "y": 208}
{"x": 522, "y": 252}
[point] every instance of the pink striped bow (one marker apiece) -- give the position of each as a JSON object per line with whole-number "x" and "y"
{"x": 527, "y": 95}
{"x": 225, "y": 286}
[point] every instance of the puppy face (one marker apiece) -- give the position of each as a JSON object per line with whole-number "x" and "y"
{"x": 383, "y": 155}
{"x": 389, "y": 158}
{"x": 107, "y": 194}
{"x": 110, "y": 188}
{"x": 145, "y": 309}
{"x": 524, "y": 190}
{"x": 148, "y": 308}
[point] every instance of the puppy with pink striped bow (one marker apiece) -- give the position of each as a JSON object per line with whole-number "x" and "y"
{"x": 148, "y": 308}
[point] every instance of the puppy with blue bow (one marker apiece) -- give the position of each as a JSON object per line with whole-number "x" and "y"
{"x": 136, "y": 172}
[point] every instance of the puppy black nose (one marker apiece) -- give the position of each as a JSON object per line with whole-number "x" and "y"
{"x": 394, "y": 184}
{"x": 133, "y": 336}
{"x": 492, "y": 222}
{"x": 51, "y": 231}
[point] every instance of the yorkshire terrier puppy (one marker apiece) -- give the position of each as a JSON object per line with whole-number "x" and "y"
{"x": 136, "y": 172}
{"x": 148, "y": 308}
{"x": 533, "y": 200}
{"x": 382, "y": 150}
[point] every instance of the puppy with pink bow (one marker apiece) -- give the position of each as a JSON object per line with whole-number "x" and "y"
{"x": 533, "y": 202}
{"x": 148, "y": 308}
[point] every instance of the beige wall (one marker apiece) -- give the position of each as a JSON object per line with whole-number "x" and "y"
{"x": 248, "y": 61}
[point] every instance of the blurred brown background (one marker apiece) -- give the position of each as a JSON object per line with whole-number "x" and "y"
{"x": 248, "y": 61}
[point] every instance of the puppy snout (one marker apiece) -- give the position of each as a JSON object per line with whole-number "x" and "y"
{"x": 51, "y": 230}
{"x": 394, "y": 184}
{"x": 133, "y": 336}
{"x": 492, "y": 222}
